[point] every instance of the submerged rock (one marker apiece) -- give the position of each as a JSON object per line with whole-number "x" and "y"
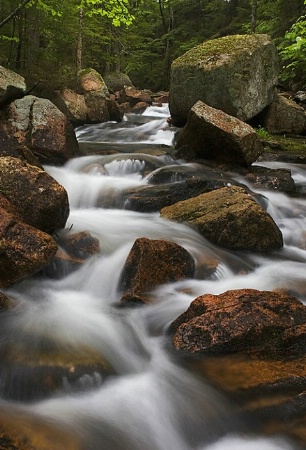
{"x": 237, "y": 74}
{"x": 151, "y": 263}
{"x": 228, "y": 217}
{"x": 214, "y": 135}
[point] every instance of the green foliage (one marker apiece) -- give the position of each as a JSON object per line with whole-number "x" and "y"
{"x": 293, "y": 53}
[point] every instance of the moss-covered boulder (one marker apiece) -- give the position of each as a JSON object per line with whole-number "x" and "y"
{"x": 236, "y": 74}
{"x": 228, "y": 217}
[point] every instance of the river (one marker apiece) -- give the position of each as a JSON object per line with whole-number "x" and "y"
{"x": 151, "y": 402}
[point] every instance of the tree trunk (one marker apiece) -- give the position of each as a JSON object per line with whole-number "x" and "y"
{"x": 79, "y": 52}
{"x": 14, "y": 13}
{"x": 254, "y": 16}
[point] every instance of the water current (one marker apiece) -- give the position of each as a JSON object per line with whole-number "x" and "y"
{"x": 151, "y": 402}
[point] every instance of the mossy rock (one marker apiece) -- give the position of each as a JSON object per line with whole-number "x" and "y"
{"x": 236, "y": 74}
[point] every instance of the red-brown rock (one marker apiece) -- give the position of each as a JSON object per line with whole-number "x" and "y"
{"x": 241, "y": 320}
{"x": 40, "y": 200}
{"x": 24, "y": 250}
{"x": 154, "y": 262}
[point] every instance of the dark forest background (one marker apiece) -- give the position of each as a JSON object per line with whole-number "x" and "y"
{"x": 52, "y": 40}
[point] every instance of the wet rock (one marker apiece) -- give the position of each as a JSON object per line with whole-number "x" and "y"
{"x": 237, "y": 74}
{"x": 214, "y": 135}
{"x": 12, "y": 85}
{"x": 38, "y": 375}
{"x": 228, "y": 217}
{"x": 279, "y": 180}
{"x": 80, "y": 245}
{"x": 38, "y": 198}
{"x": 154, "y": 198}
{"x": 242, "y": 320}
{"x": 151, "y": 263}
{"x": 284, "y": 115}
{"x": 41, "y": 126}
{"x": 6, "y": 302}
{"x": 24, "y": 250}
{"x": 20, "y": 431}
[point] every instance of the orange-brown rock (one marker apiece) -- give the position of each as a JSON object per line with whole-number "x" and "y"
{"x": 242, "y": 320}
{"x": 40, "y": 200}
{"x": 228, "y": 217}
{"x": 151, "y": 263}
{"x": 132, "y": 95}
{"x": 24, "y": 250}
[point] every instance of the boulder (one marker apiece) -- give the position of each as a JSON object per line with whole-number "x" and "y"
{"x": 40, "y": 200}
{"x": 89, "y": 80}
{"x": 150, "y": 198}
{"x": 214, "y": 135}
{"x": 116, "y": 81}
{"x": 284, "y": 116}
{"x": 95, "y": 92}
{"x": 97, "y": 107}
{"x": 238, "y": 341}
{"x": 12, "y": 86}
{"x": 241, "y": 320}
{"x": 24, "y": 250}
{"x": 237, "y": 74}
{"x": 41, "y": 126}
{"x": 73, "y": 105}
{"x": 228, "y": 217}
{"x": 151, "y": 263}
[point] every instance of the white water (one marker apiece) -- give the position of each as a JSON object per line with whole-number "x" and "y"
{"x": 152, "y": 403}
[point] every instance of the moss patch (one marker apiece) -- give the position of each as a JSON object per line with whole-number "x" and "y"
{"x": 218, "y": 49}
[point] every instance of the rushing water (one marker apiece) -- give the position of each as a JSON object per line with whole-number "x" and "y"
{"x": 152, "y": 403}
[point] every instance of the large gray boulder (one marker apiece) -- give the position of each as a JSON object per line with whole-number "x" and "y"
{"x": 12, "y": 85}
{"x": 237, "y": 74}
{"x": 39, "y": 124}
{"x": 212, "y": 134}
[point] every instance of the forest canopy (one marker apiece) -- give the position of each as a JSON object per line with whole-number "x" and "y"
{"x": 51, "y": 40}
